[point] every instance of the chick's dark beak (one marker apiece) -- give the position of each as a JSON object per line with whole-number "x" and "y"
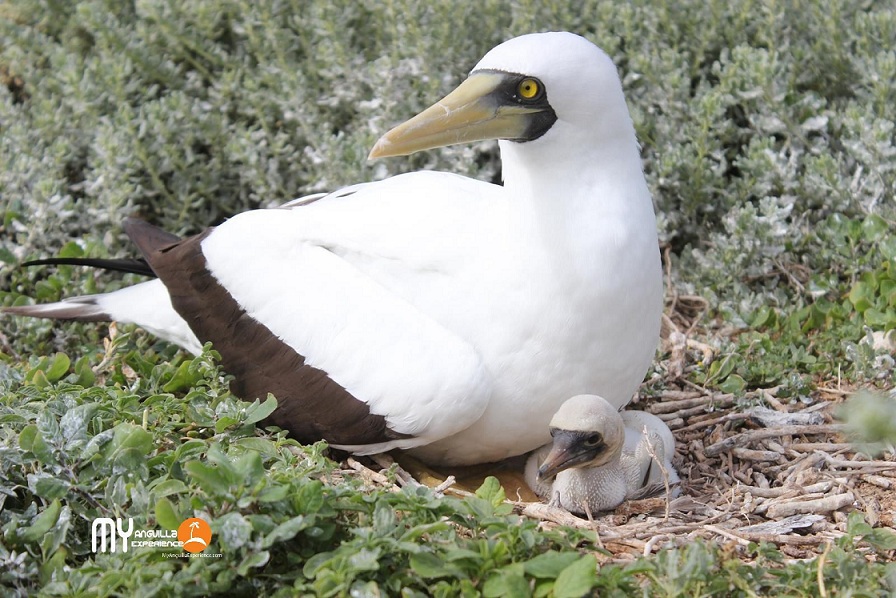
{"x": 571, "y": 449}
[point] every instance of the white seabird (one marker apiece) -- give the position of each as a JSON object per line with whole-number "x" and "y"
{"x": 600, "y": 457}
{"x": 430, "y": 311}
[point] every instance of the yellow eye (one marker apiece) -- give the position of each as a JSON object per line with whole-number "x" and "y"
{"x": 528, "y": 88}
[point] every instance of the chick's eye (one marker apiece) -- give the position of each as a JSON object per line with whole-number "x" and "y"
{"x": 593, "y": 440}
{"x": 528, "y": 88}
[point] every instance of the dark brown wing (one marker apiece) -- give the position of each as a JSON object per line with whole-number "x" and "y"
{"x": 311, "y": 405}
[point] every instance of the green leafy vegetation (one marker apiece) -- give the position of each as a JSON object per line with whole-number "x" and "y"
{"x": 769, "y": 142}
{"x": 285, "y": 518}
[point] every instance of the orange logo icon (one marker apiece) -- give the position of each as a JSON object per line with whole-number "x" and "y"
{"x": 195, "y": 533}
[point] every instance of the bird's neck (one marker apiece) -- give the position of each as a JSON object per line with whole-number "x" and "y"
{"x": 576, "y": 202}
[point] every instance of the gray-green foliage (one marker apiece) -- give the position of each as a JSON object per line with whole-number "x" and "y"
{"x": 133, "y": 434}
{"x": 190, "y": 111}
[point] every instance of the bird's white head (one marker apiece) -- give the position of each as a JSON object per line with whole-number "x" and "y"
{"x": 549, "y": 88}
{"x": 587, "y": 432}
{"x": 580, "y": 81}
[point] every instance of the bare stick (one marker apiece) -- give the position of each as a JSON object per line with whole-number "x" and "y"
{"x": 593, "y": 525}
{"x": 659, "y": 462}
{"x": 747, "y": 438}
{"x": 543, "y": 512}
{"x": 368, "y": 474}
{"x": 727, "y": 534}
{"x": 404, "y": 478}
{"x": 441, "y": 488}
{"x": 818, "y": 505}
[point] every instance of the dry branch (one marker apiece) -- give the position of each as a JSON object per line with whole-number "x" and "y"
{"x": 818, "y": 505}
{"x": 747, "y": 438}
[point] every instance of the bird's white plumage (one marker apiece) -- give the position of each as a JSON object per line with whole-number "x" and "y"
{"x": 466, "y": 312}
{"x": 149, "y": 305}
{"x": 637, "y": 444}
{"x": 146, "y": 304}
{"x": 653, "y": 445}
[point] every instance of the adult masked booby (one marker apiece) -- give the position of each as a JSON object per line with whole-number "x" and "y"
{"x": 430, "y": 311}
{"x": 599, "y": 457}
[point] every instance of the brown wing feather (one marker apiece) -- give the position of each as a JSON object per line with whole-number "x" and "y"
{"x": 312, "y": 406}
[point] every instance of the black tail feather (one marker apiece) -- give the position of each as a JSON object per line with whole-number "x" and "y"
{"x": 147, "y": 237}
{"x": 129, "y": 265}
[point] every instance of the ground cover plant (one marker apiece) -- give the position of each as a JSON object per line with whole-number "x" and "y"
{"x": 767, "y": 132}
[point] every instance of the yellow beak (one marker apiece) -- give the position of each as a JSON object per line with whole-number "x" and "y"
{"x": 472, "y": 112}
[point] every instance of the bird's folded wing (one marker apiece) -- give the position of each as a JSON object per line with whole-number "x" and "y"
{"x": 426, "y": 381}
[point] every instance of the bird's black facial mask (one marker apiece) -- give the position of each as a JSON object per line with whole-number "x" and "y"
{"x": 571, "y": 449}
{"x": 489, "y": 104}
{"x": 522, "y": 90}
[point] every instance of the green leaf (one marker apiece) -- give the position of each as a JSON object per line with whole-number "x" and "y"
{"x": 509, "y": 581}
{"x": 261, "y": 445}
{"x": 383, "y": 517}
{"x": 169, "y": 487}
{"x": 190, "y": 448}
{"x": 166, "y": 514}
{"x": 249, "y": 468}
{"x": 129, "y": 449}
{"x": 887, "y": 247}
{"x": 253, "y": 560}
{"x": 131, "y": 436}
{"x": 861, "y": 296}
{"x": 286, "y": 530}
{"x": 316, "y": 563}
{"x": 26, "y": 437}
{"x": 38, "y": 378}
{"x": 720, "y": 370}
{"x": 233, "y": 530}
{"x": 415, "y": 533}
{"x": 43, "y": 523}
{"x": 58, "y": 367}
{"x": 274, "y": 493}
{"x": 55, "y": 565}
{"x": 429, "y": 566}
{"x": 42, "y": 450}
{"x": 258, "y": 411}
{"x": 7, "y": 256}
{"x": 880, "y": 319}
{"x": 71, "y": 249}
{"x": 763, "y": 318}
{"x": 85, "y": 375}
{"x": 212, "y": 480}
{"x": 310, "y": 497}
{"x": 365, "y": 559}
{"x": 49, "y": 487}
{"x": 73, "y": 423}
{"x": 182, "y": 379}
{"x": 874, "y": 228}
{"x": 492, "y": 491}
{"x": 225, "y": 422}
{"x": 733, "y": 384}
{"x": 577, "y": 579}
{"x": 53, "y": 540}
{"x": 549, "y": 564}
{"x": 883, "y": 539}
{"x": 856, "y": 525}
